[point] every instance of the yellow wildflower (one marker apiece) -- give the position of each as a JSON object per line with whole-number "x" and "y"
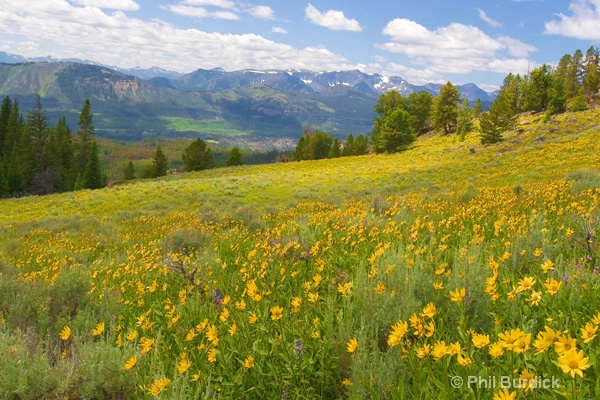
{"x": 99, "y": 330}
{"x": 158, "y": 386}
{"x": 588, "y": 332}
{"x": 352, "y": 345}
{"x": 458, "y": 295}
{"x": 573, "y": 362}
{"x": 130, "y": 363}
{"x": 276, "y": 313}
{"x": 65, "y": 334}
{"x": 249, "y": 362}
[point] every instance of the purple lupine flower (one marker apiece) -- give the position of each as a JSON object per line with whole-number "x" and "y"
{"x": 298, "y": 348}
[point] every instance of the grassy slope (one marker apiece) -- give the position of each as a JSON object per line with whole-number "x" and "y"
{"x": 436, "y": 165}
{"x": 86, "y": 259}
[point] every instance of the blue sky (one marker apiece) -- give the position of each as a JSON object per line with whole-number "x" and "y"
{"x": 421, "y": 41}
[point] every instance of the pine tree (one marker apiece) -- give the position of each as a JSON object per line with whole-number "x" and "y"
{"x": 160, "y": 164}
{"x": 335, "y": 151}
{"x": 361, "y": 145}
{"x": 197, "y": 156}
{"x": 395, "y": 132}
{"x": 129, "y": 171}
{"x": 536, "y": 89}
{"x": 574, "y": 75}
{"x": 419, "y": 107}
{"x": 491, "y": 128}
{"x": 84, "y": 138}
{"x": 92, "y": 177}
{"x": 64, "y": 155}
{"x": 464, "y": 120}
{"x": 12, "y": 156}
{"x": 477, "y": 109}
{"x": 4, "y": 119}
{"x": 302, "y": 150}
{"x": 235, "y": 157}
{"x": 445, "y": 108}
{"x": 37, "y": 126}
{"x": 591, "y": 79}
{"x": 349, "y": 146}
{"x": 320, "y": 144}
{"x": 386, "y": 104}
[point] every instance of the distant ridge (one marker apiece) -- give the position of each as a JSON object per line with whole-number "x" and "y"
{"x": 214, "y": 104}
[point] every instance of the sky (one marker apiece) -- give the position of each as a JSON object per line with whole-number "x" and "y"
{"x": 421, "y": 41}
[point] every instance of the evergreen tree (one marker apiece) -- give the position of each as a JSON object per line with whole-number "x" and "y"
{"x": 536, "y": 89}
{"x": 63, "y": 155}
{"x": 574, "y": 75}
{"x": 419, "y": 106}
{"x": 491, "y": 128}
{"x": 235, "y": 157}
{"x": 160, "y": 164}
{"x": 464, "y": 120}
{"x": 302, "y": 150}
{"x": 129, "y": 172}
{"x": 12, "y": 154}
{"x": 395, "y": 132}
{"x": 4, "y": 119}
{"x": 445, "y": 108}
{"x": 477, "y": 109}
{"x": 92, "y": 177}
{"x": 361, "y": 145}
{"x": 591, "y": 79}
{"x": 557, "y": 95}
{"x": 335, "y": 151}
{"x": 84, "y": 138}
{"x": 197, "y": 156}
{"x": 386, "y": 104}
{"x": 37, "y": 126}
{"x": 349, "y": 146}
{"x": 320, "y": 144}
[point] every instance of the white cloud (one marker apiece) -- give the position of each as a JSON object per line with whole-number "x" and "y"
{"x": 125, "y": 5}
{"x": 63, "y": 30}
{"x": 583, "y": 23}
{"x": 491, "y": 22}
{"x": 332, "y": 19}
{"x": 227, "y": 4}
{"x": 278, "y": 29}
{"x": 262, "y": 12}
{"x": 516, "y": 48}
{"x": 456, "y": 48}
{"x": 200, "y": 12}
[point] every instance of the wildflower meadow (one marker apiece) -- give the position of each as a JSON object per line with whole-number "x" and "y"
{"x": 453, "y": 270}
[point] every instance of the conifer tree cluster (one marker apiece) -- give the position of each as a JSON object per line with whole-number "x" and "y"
{"x": 39, "y": 158}
{"x": 569, "y": 86}
{"x": 317, "y": 145}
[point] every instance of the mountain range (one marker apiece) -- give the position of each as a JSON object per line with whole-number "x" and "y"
{"x": 216, "y": 104}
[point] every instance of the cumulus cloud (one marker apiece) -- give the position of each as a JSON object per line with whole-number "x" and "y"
{"x": 332, "y": 19}
{"x": 456, "y": 48}
{"x": 63, "y": 30}
{"x": 227, "y": 4}
{"x": 491, "y": 22}
{"x": 125, "y": 5}
{"x": 582, "y": 24}
{"x": 200, "y": 12}
{"x": 262, "y": 12}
